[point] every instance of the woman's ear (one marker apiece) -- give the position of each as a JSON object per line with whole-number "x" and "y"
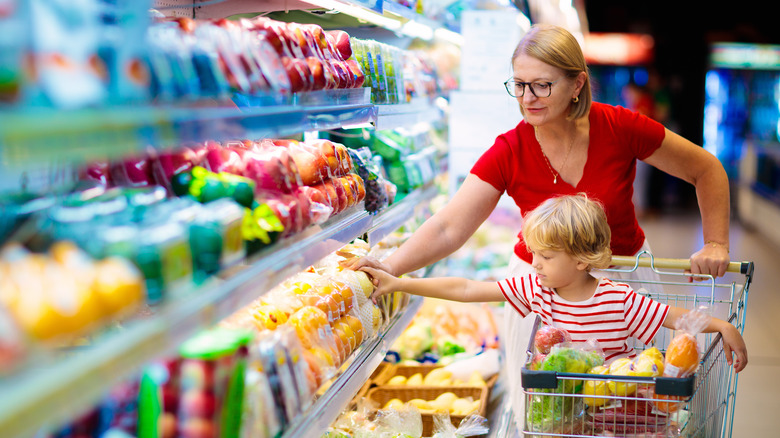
{"x": 580, "y": 82}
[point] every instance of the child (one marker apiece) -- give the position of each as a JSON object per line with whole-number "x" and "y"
{"x": 568, "y": 236}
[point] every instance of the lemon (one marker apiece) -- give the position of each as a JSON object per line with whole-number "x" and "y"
{"x": 397, "y": 380}
{"x": 596, "y": 387}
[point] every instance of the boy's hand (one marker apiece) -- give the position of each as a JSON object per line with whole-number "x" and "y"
{"x": 734, "y": 344}
{"x": 384, "y": 283}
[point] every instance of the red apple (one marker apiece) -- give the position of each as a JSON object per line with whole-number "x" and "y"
{"x": 132, "y": 172}
{"x": 548, "y": 336}
{"x": 318, "y": 72}
{"x": 341, "y": 42}
{"x": 357, "y": 72}
{"x": 172, "y": 162}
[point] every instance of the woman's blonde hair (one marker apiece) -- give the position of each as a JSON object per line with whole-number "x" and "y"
{"x": 557, "y": 47}
{"x": 574, "y": 224}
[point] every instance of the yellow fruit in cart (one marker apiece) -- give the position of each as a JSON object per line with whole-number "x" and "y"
{"x": 596, "y": 388}
{"x": 436, "y": 376}
{"x": 415, "y": 379}
{"x": 397, "y": 380}
{"x": 647, "y": 366}
{"x": 621, "y": 367}
{"x": 394, "y": 404}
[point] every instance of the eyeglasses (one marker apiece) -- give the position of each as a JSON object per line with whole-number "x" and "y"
{"x": 538, "y": 89}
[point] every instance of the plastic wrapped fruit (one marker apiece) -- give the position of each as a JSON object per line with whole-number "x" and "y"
{"x": 548, "y": 336}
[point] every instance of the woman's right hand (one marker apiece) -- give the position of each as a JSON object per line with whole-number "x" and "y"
{"x": 356, "y": 263}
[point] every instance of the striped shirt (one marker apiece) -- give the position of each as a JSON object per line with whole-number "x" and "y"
{"x": 612, "y": 315}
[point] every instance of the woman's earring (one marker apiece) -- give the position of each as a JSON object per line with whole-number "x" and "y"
{"x": 576, "y": 99}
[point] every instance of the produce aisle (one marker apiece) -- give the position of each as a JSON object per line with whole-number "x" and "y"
{"x": 177, "y": 190}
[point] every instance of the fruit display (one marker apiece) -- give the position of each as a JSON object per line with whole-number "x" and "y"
{"x": 443, "y": 332}
{"x": 56, "y": 296}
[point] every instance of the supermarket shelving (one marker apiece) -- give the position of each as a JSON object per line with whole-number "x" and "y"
{"x": 60, "y": 388}
{"x": 49, "y": 390}
{"x": 328, "y": 407}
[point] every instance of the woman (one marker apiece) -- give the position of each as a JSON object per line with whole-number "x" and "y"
{"x": 568, "y": 144}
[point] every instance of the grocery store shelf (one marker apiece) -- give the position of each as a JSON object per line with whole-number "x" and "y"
{"x": 60, "y": 388}
{"x": 32, "y": 135}
{"x": 408, "y": 114}
{"x": 314, "y": 422}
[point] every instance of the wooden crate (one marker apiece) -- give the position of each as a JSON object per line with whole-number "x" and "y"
{"x": 383, "y": 394}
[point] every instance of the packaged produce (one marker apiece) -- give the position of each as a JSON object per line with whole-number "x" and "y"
{"x": 69, "y": 72}
{"x": 682, "y": 353}
{"x": 471, "y": 425}
{"x": 548, "y": 336}
{"x": 212, "y": 383}
{"x": 546, "y": 412}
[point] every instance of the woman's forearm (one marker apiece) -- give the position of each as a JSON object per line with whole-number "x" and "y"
{"x": 712, "y": 192}
{"x": 448, "y": 229}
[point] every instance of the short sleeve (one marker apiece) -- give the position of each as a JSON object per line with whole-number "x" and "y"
{"x": 645, "y": 133}
{"x": 493, "y": 166}
{"x": 644, "y": 316}
{"x": 518, "y": 293}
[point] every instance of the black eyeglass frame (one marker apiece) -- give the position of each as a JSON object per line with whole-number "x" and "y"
{"x": 524, "y": 84}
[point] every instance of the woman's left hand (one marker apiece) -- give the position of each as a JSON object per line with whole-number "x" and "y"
{"x": 711, "y": 259}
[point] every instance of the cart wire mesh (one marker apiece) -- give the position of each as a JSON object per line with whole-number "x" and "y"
{"x": 701, "y": 405}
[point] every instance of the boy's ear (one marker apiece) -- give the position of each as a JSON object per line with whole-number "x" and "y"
{"x": 582, "y": 266}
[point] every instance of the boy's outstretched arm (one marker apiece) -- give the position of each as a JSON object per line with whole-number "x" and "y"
{"x": 733, "y": 343}
{"x": 447, "y": 288}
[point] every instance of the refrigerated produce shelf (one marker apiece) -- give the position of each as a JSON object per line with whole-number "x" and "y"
{"x": 327, "y": 408}
{"x": 28, "y": 136}
{"x": 55, "y": 389}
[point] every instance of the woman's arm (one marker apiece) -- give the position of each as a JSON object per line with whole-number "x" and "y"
{"x": 733, "y": 343}
{"x": 443, "y": 233}
{"x": 681, "y": 158}
{"x": 446, "y": 288}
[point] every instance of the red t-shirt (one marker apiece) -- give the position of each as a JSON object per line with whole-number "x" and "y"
{"x": 618, "y": 137}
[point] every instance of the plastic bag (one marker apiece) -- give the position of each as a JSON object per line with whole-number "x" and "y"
{"x": 548, "y": 336}
{"x": 471, "y": 425}
{"x": 682, "y": 353}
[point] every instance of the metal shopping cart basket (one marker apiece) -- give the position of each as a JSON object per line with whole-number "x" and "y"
{"x": 701, "y": 405}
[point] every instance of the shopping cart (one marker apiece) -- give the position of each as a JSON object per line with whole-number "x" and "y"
{"x": 701, "y": 405}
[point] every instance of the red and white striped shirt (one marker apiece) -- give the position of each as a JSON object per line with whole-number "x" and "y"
{"x": 612, "y": 315}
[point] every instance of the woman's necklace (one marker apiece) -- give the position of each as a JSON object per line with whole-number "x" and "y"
{"x": 547, "y": 160}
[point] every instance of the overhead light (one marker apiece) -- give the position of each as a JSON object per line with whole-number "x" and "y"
{"x": 417, "y": 30}
{"x": 449, "y": 36}
{"x": 358, "y": 12}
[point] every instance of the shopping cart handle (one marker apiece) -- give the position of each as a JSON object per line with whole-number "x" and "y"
{"x": 683, "y": 264}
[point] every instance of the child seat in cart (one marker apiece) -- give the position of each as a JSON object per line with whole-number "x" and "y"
{"x": 700, "y": 405}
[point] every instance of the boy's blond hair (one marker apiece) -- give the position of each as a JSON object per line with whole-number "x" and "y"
{"x": 574, "y": 224}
